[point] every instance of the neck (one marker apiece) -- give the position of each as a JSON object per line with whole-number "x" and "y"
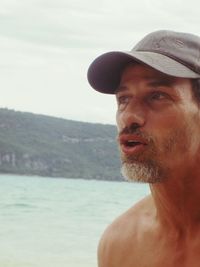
{"x": 177, "y": 202}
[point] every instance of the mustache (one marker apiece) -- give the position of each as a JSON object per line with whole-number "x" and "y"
{"x": 134, "y": 129}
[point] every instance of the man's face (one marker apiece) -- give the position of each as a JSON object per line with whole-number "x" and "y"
{"x": 158, "y": 124}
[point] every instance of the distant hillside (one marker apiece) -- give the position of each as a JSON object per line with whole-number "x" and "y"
{"x": 47, "y": 146}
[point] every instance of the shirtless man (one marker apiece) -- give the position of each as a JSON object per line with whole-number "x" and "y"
{"x": 158, "y": 117}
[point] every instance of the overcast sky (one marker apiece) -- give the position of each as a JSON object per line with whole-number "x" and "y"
{"x": 46, "y": 47}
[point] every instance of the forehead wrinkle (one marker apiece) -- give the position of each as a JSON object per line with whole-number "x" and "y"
{"x": 146, "y": 75}
{"x": 162, "y": 81}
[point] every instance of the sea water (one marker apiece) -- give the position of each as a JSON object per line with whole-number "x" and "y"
{"x": 57, "y": 222}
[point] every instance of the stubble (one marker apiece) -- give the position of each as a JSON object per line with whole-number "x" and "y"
{"x": 151, "y": 165}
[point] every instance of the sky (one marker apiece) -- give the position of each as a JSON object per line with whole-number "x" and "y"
{"x": 46, "y": 47}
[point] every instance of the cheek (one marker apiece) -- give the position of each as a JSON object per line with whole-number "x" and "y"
{"x": 177, "y": 141}
{"x": 169, "y": 132}
{"x": 162, "y": 124}
{"x": 178, "y": 138}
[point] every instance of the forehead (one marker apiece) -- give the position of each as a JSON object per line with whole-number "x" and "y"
{"x": 143, "y": 76}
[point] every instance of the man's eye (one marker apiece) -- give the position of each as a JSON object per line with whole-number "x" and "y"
{"x": 158, "y": 96}
{"x": 122, "y": 99}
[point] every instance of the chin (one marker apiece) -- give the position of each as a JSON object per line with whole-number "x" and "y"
{"x": 143, "y": 173}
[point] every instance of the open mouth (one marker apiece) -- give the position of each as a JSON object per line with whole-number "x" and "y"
{"x": 132, "y": 143}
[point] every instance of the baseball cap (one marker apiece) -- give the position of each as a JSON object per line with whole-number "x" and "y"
{"x": 173, "y": 53}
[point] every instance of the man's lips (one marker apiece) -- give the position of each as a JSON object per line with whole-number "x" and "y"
{"x": 131, "y": 144}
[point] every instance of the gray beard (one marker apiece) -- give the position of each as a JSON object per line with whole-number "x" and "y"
{"x": 141, "y": 172}
{"x": 147, "y": 167}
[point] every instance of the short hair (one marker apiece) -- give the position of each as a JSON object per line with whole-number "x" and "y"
{"x": 196, "y": 89}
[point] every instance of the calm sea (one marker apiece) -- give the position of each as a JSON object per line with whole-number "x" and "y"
{"x": 58, "y": 222}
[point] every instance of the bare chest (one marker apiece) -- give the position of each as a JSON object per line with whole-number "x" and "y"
{"x": 157, "y": 253}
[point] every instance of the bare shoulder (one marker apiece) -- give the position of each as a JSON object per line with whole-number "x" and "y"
{"x": 124, "y": 233}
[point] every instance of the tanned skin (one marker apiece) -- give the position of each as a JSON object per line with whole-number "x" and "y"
{"x": 163, "y": 229}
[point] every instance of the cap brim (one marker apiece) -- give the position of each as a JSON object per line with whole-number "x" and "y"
{"x": 104, "y": 72}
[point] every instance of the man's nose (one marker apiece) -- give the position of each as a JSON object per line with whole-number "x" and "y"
{"x": 134, "y": 114}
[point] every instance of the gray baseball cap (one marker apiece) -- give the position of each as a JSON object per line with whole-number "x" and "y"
{"x": 173, "y": 53}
